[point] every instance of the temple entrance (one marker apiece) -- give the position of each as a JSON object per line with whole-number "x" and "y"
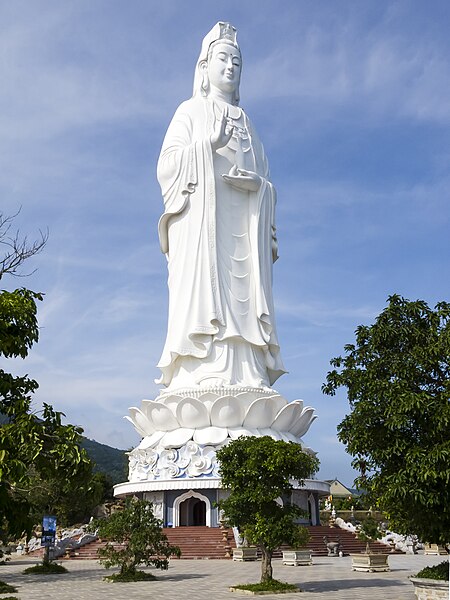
{"x": 192, "y": 512}
{"x": 192, "y": 509}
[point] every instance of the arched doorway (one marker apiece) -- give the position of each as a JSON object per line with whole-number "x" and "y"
{"x": 192, "y": 509}
{"x": 192, "y": 513}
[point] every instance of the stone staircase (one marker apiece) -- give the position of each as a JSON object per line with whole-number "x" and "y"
{"x": 216, "y": 543}
{"x": 194, "y": 542}
{"x": 202, "y": 542}
{"x": 350, "y": 544}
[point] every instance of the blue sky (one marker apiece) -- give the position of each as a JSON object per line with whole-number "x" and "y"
{"x": 352, "y": 102}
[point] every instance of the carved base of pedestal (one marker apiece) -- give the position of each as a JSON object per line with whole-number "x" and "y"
{"x": 182, "y": 430}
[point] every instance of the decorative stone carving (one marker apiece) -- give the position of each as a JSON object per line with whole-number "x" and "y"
{"x": 172, "y": 420}
{"x": 157, "y": 500}
{"x": 332, "y": 547}
{"x": 191, "y": 460}
{"x": 182, "y": 432}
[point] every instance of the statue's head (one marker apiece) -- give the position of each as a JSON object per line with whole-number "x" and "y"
{"x": 219, "y": 47}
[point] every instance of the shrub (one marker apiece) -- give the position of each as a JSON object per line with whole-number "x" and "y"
{"x": 439, "y": 571}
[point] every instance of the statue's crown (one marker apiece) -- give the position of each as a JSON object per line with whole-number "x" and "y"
{"x": 228, "y": 32}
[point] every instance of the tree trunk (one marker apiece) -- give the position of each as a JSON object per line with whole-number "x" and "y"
{"x": 266, "y": 565}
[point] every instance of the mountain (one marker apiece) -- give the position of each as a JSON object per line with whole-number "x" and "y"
{"x": 108, "y": 460}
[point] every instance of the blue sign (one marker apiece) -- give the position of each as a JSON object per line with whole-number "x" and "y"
{"x": 48, "y": 531}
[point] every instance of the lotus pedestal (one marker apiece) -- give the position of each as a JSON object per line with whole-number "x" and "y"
{"x": 181, "y": 432}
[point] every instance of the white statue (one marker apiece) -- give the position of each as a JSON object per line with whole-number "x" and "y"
{"x": 221, "y": 354}
{"x": 218, "y": 233}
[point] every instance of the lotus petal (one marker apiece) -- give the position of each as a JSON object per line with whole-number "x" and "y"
{"x": 238, "y": 432}
{"x": 208, "y": 399}
{"x": 210, "y": 436}
{"x": 140, "y": 431}
{"x": 144, "y": 409}
{"x": 177, "y": 437}
{"x": 227, "y": 412}
{"x": 288, "y": 415}
{"x": 275, "y": 435}
{"x": 151, "y": 440}
{"x": 246, "y": 398}
{"x": 288, "y": 437}
{"x": 161, "y": 417}
{"x": 192, "y": 413}
{"x": 171, "y": 401}
{"x": 303, "y": 422}
{"x": 140, "y": 420}
{"x": 262, "y": 411}
{"x": 277, "y": 396}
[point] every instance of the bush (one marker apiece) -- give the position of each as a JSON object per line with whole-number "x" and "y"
{"x": 439, "y": 571}
{"x": 127, "y": 577}
{"x": 134, "y": 537}
{"x": 273, "y": 585}
{"x": 5, "y": 587}
{"x": 46, "y": 568}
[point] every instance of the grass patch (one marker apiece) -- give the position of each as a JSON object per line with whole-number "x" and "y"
{"x": 5, "y": 587}
{"x": 46, "y": 569}
{"x": 127, "y": 577}
{"x": 273, "y": 586}
{"x": 10, "y": 598}
{"x": 439, "y": 572}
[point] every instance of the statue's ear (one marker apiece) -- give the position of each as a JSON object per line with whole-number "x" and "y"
{"x": 203, "y": 68}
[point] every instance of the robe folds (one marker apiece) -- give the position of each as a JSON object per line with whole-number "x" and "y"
{"x": 220, "y": 245}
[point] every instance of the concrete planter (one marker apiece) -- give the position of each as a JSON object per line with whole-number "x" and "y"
{"x": 430, "y": 589}
{"x": 297, "y": 558}
{"x": 435, "y": 549}
{"x": 245, "y": 553}
{"x": 370, "y": 563}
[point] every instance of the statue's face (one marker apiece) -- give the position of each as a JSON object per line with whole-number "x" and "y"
{"x": 224, "y": 67}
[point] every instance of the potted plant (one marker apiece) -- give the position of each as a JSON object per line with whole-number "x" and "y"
{"x": 432, "y": 582}
{"x": 299, "y": 555}
{"x": 368, "y": 561}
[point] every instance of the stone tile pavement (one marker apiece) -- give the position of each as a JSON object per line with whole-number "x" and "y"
{"x": 327, "y": 579}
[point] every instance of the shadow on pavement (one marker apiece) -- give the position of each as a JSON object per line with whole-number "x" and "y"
{"x": 336, "y": 585}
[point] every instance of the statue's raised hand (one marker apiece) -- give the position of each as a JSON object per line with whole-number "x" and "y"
{"x": 222, "y": 132}
{"x": 242, "y": 179}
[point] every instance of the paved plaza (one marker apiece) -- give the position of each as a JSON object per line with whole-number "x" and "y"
{"x": 327, "y": 578}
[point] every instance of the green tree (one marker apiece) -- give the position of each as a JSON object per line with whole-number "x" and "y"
{"x": 258, "y": 472}
{"x": 34, "y": 446}
{"x": 369, "y": 531}
{"x": 398, "y": 431}
{"x": 141, "y": 537}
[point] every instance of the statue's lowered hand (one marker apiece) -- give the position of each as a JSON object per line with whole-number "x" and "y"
{"x": 242, "y": 179}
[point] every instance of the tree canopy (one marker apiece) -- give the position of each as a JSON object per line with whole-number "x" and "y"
{"x": 259, "y": 473}
{"x": 398, "y": 431}
{"x": 42, "y": 466}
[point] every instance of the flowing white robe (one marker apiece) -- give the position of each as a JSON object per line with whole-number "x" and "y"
{"x": 219, "y": 244}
